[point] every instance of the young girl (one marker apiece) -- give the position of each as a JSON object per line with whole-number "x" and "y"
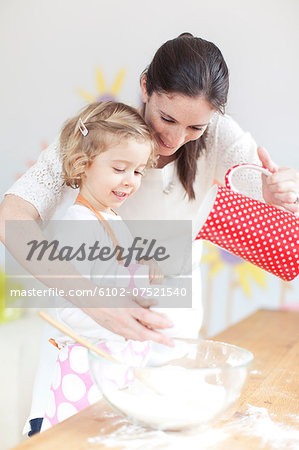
{"x": 105, "y": 151}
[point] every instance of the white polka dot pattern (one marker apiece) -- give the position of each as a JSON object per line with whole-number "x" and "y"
{"x": 73, "y": 387}
{"x": 79, "y": 360}
{"x": 65, "y": 410}
{"x": 259, "y": 233}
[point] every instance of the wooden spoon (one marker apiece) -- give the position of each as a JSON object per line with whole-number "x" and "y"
{"x": 76, "y": 337}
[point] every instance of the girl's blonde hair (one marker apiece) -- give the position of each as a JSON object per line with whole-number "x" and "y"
{"x": 104, "y": 121}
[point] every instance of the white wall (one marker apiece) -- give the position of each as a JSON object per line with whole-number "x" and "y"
{"x": 49, "y": 49}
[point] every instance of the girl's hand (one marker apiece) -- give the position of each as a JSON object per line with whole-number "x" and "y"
{"x": 156, "y": 275}
{"x": 280, "y": 189}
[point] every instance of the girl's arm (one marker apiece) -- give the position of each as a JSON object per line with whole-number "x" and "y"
{"x": 127, "y": 319}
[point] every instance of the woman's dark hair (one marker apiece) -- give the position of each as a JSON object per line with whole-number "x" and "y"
{"x": 190, "y": 66}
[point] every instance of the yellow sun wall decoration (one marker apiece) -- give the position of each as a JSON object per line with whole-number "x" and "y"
{"x": 104, "y": 92}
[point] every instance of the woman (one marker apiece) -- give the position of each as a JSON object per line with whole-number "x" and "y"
{"x": 184, "y": 91}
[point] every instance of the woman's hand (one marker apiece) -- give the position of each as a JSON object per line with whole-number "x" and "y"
{"x": 280, "y": 189}
{"x": 133, "y": 321}
{"x": 156, "y": 276}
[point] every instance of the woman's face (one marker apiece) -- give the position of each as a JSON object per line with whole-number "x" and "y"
{"x": 175, "y": 118}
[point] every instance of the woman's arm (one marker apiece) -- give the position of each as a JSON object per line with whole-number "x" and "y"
{"x": 127, "y": 319}
{"x": 230, "y": 146}
{"x": 15, "y": 208}
{"x": 282, "y": 188}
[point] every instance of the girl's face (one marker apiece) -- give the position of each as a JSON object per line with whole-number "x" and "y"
{"x": 175, "y": 118}
{"x": 115, "y": 174}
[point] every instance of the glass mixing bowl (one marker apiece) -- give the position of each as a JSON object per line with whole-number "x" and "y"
{"x": 192, "y": 384}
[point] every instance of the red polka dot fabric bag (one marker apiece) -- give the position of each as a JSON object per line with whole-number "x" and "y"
{"x": 259, "y": 233}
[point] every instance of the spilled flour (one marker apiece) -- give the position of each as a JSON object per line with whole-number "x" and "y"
{"x": 129, "y": 437}
{"x": 255, "y": 422}
{"x": 258, "y": 422}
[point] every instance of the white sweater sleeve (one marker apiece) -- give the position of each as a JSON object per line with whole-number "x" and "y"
{"x": 42, "y": 184}
{"x": 231, "y": 146}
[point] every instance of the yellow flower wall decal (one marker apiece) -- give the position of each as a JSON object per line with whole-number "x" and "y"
{"x": 104, "y": 92}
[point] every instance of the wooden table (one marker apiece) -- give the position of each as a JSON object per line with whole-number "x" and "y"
{"x": 266, "y": 417}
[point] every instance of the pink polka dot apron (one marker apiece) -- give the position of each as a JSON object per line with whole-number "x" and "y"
{"x": 72, "y": 388}
{"x": 259, "y": 233}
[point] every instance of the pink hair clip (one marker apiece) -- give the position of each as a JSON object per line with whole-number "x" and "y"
{"x": 83, "y": 128}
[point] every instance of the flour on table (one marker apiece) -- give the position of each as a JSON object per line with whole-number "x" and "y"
{"x": 254, "y": 372}
{"x": 131, "y": 437}
{"x": 256, "y": 422}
